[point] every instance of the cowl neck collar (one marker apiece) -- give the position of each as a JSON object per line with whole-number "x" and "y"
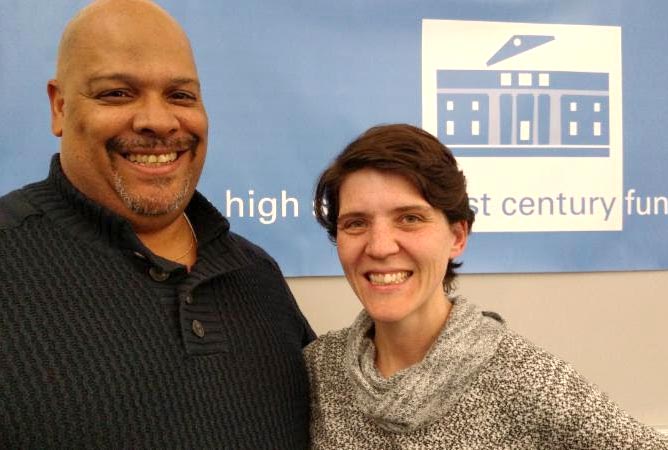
{"x": 420, "y": 394}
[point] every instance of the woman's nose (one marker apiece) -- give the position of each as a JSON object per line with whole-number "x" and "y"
{"x": 382, "y": 241}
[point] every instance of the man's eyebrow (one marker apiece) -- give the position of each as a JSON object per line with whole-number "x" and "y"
{"x": 180, "y": 81}
{"x": 130, "y": 79}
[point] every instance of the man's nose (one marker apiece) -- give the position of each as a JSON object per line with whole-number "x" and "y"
{"x": 382, "y": 241}
{"x": 155, "y": 116}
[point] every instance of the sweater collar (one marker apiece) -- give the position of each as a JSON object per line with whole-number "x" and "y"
{"x": 420, "y": 394}
{"x": 85, "y": 219}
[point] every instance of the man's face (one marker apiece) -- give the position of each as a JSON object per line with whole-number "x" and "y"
{"x": 128, "y": 107}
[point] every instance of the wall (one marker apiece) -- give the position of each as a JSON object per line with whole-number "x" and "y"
{"x": 610, "y": 326}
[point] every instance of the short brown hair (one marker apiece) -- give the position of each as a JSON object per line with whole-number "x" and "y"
{"x": 408, "y": 151}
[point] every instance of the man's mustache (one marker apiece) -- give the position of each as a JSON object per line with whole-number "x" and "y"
{"x": 119, "y": 145}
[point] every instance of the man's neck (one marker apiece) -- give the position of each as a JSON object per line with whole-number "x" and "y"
{"x": 176, "y": 242}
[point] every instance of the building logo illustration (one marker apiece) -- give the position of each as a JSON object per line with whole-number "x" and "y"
{"x": 533, "y": 114}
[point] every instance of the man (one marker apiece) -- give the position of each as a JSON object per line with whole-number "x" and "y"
{"x": 131, "y": 316}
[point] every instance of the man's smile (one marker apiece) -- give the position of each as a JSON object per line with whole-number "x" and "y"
{"x": 151, "y": 159}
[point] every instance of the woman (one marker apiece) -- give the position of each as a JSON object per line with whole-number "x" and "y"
{"x": 420, "y": 368}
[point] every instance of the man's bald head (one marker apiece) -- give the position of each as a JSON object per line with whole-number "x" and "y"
{"x": 108, "y": 18}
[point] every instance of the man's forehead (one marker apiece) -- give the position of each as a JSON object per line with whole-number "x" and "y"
{"x": 92, "y": 63}
{"x": 139, "y": 79}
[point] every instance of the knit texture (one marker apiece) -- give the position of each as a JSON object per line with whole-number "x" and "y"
{"x": 515, "y": 396}
{"x": 99, "y": 347}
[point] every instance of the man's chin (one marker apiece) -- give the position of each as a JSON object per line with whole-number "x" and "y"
{"x": 151, "y": 208}
{"x": 153, "y": 201}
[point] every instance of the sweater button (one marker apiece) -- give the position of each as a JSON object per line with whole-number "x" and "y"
{"x": 198, "y": 328}
{"x": 188, "y": 298}
{"x": 158, "y": 274}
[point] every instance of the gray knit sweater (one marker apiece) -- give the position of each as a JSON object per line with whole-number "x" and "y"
{"x": 479, "y": 387}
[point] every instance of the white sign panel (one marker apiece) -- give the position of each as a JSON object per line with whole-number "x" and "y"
{"x": 533, "y": 113}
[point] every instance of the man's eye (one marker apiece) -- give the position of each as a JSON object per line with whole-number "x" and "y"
{"x": 114, "y": 95}
{"x": 182, "y": 96}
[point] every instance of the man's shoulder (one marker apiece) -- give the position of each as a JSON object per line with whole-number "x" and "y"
{"x": 263, "y": 264}
{"x": 15, "y": 208}
{"x": 252, "y": 250}
{"x": 248, "y": 246}
{"x": 213, "y": 221}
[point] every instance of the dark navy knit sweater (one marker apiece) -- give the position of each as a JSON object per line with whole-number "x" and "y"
{"x": 105, "y": 345}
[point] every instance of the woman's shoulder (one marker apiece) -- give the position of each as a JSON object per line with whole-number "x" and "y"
{"x": 528, "y": 374}
{"x": 518, "y": 359}
{"x": 325, "y": 365}
{"x": 332, "y": 345}
{"x": 329, "y": 345}
{"x": 548, "y": 395}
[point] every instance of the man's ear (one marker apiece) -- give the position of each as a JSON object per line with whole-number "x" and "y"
{"x": 57, "y": 102}
{"x": 460, "y": 231}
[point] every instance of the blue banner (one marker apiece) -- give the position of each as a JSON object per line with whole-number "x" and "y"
{"x": 553, "y": 108}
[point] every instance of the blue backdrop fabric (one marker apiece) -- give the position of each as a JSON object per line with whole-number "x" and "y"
{"x": 566, "y": 141}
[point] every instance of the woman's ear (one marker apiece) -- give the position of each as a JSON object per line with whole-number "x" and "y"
{"x": 460, "y": 232}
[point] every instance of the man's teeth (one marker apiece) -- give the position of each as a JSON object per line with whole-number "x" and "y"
{"x": 141, "y": 158}
{"x": 388, "y": 278}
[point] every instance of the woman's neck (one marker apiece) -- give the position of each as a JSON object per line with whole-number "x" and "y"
{"x": 402, "y": 344}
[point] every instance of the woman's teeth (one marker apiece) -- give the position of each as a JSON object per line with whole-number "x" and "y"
{"x": 141, "y": 158}
{"x": 381, "y": 279}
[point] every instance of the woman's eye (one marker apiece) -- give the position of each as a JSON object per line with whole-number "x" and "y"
{"x": 411, "y": 219}
{"x": 352, "y": 225}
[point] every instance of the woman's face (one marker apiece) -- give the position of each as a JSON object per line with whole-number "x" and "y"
{"x": 394, "y": 246}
